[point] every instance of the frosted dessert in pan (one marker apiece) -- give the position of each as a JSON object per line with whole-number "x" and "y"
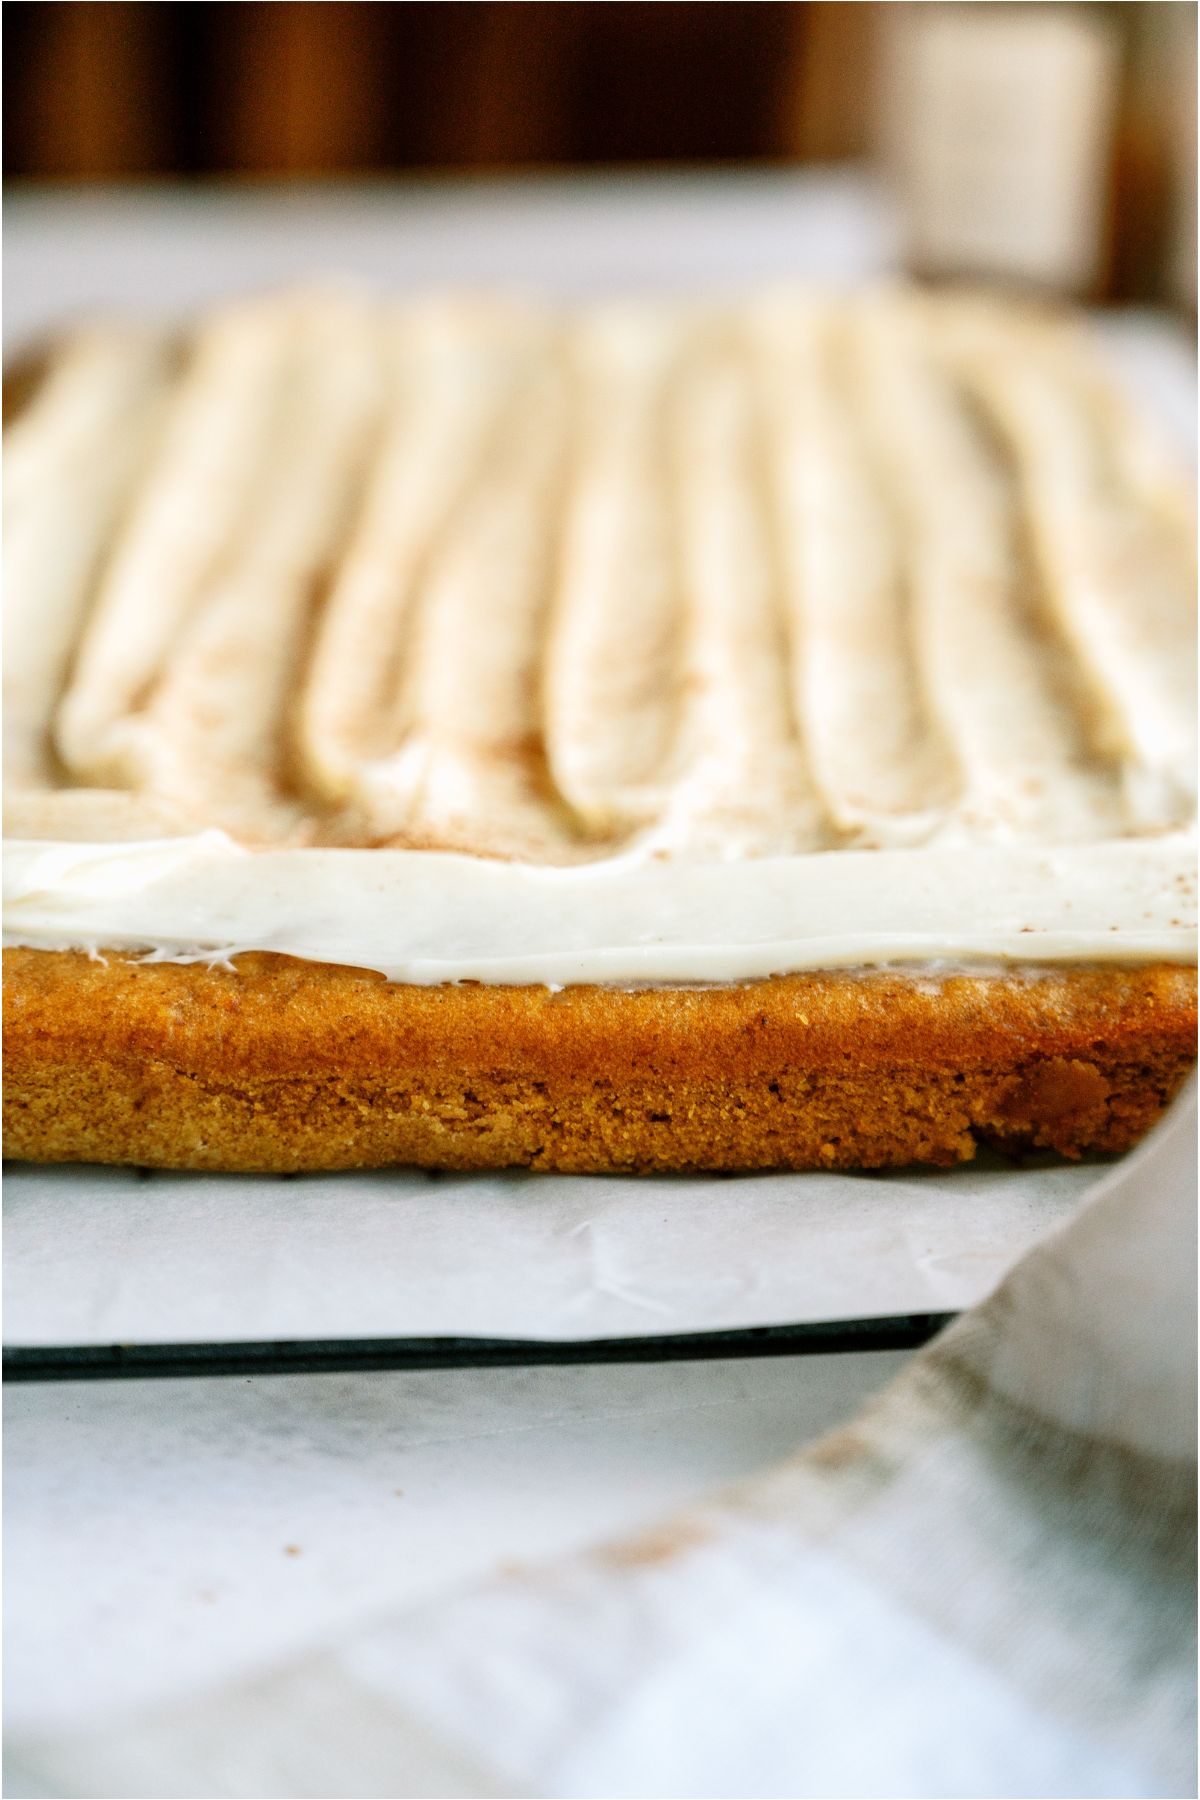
{"x": 652, "y": 736}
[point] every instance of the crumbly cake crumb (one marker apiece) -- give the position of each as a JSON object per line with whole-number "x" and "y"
{"x": 283, "y": 1065}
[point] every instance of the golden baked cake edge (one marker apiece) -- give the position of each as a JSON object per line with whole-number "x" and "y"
{"x": 275, "y": 1064}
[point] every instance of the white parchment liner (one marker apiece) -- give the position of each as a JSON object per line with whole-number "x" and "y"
{"x": 106, "y": 1256}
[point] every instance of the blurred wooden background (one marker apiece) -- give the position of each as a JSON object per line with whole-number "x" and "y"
{"x": 113, "y": 89}
{"x": 107, "y": 90}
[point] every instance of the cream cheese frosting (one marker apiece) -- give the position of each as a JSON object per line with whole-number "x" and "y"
{"x": 430, "y": 916}
{"x": 468, "y": 639}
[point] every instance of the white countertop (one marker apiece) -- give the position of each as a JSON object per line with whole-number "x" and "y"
{"x": 75, "y": 251}
{"x": 162, "y": 1536}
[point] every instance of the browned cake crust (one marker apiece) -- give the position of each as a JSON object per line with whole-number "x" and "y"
{"x": 279, "y": 1065}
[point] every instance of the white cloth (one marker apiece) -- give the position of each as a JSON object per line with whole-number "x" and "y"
{"x": 984, "y": 1585}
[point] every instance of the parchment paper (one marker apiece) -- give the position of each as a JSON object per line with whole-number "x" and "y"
{"x": 102, "y": 1256}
